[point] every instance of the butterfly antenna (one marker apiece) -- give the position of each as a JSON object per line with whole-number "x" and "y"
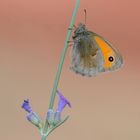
{"x": 85, "y": 11}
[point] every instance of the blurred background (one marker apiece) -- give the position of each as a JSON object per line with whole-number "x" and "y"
{"x": 32, "y": 34}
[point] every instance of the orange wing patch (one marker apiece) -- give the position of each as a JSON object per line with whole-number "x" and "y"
{"x": 106, "y": 52}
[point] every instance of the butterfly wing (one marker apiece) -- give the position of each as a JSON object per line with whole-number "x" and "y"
{"x": 111, "y": 56}
{"x": 86, "y": 56}
{"x": 93, "y": 54}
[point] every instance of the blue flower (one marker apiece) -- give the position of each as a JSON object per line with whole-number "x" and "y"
{"x": 55, "y": 117}
{"x": 32, "y": 117}
{"x": 62, "y": 102}
{"x": 26, "y": 106}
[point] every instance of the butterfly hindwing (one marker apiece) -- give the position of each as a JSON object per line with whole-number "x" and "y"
{"x": 92, "y": 54}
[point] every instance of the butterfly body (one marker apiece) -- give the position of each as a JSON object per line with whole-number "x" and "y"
{"x": 92, "y": 54}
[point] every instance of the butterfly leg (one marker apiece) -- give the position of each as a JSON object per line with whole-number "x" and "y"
{"x": 73, "y": 28}
{"x": 70, "y": 43}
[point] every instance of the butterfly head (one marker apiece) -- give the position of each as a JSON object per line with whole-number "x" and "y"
{"x": 80, "y": 30}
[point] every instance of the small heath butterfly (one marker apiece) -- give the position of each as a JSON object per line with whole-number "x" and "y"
{"x": 93, "y": 54}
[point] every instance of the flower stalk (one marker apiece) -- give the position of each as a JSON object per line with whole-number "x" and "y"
{"x": 63, "y": 55}
{"x": 52, "y": 99}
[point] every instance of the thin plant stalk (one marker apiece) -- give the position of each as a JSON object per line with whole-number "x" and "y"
{"x": 52, "y": 99}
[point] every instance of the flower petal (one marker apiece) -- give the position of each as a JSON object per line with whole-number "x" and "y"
{"x": 62, "y": 102}
{"x": 26, "y": 106}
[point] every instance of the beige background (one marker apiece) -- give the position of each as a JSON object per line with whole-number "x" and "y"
{"x": 32, "y": 34}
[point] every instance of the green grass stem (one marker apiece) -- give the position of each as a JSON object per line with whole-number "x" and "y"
{"x": 56, "y": 81}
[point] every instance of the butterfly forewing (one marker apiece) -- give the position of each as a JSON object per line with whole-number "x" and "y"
{"x": 92, "y": 54}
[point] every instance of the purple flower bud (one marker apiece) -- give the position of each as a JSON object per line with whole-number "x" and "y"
{"x": 34, "y": 119}
{"x": 26, "y": 106}
{"x": 57, "y": 117}
{"x": 62, "y": 102}
{"x": 50, "y": 116}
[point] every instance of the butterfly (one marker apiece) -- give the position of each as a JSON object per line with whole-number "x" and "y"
{"x": 93, "y": 54}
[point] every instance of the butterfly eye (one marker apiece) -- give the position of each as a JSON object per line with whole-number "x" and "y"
{"x": 111, "y": 59}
